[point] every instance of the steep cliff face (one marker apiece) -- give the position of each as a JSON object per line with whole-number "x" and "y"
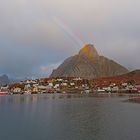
{"x": 88, "y": 64}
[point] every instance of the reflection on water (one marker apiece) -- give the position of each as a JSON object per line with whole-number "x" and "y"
{"x": 27, "y": 99}
{"x": 16, "y": 99}
{"x": 133, "y": 100}
{"x": 68, "y": 117}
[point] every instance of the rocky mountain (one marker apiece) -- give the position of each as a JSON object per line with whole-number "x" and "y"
{"x": 4, "y": 80}
{"x": 88, "y": 64}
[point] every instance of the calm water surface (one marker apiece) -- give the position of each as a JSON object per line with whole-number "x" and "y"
{"x": 66, "y": 117}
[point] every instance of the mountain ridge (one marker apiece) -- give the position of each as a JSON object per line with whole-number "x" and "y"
{"x": 88, "y": 64}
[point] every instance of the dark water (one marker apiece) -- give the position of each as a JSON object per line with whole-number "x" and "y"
{"x": 59, "y": 117}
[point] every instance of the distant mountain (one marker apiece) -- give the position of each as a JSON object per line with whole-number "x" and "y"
{"x": 131, "y": 77}
{"x": 135, "y": 75}
{"x": 88, "y": 64}
{"x": 4, "y": 80}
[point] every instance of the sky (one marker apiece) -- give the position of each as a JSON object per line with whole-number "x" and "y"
{"x": 38, "y": 35}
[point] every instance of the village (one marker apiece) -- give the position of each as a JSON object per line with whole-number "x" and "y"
{"x": 72, "y": 85}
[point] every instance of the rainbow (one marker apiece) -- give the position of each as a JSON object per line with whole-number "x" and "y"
{"x": 68, "y": 32}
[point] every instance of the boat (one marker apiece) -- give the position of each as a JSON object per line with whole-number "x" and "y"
{"x": 3, "y": 93}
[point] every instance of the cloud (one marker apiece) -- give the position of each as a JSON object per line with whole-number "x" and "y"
{"x": 46, "y": 70}
{"x": 31, "y": 38}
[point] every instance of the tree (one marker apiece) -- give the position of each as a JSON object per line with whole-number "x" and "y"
{"x": 131, "y": 81}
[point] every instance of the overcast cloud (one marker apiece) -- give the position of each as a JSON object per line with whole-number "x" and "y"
{"x": 37, "y": 35}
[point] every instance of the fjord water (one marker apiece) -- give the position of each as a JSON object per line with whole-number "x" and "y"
{"x": 67, "y": 117}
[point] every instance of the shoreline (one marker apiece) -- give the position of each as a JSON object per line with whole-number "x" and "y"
{"x": 90, "y": 94}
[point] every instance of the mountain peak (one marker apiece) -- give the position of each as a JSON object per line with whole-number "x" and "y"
{"x": 88, "y": 64}
{"x": 89, "y": 51}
